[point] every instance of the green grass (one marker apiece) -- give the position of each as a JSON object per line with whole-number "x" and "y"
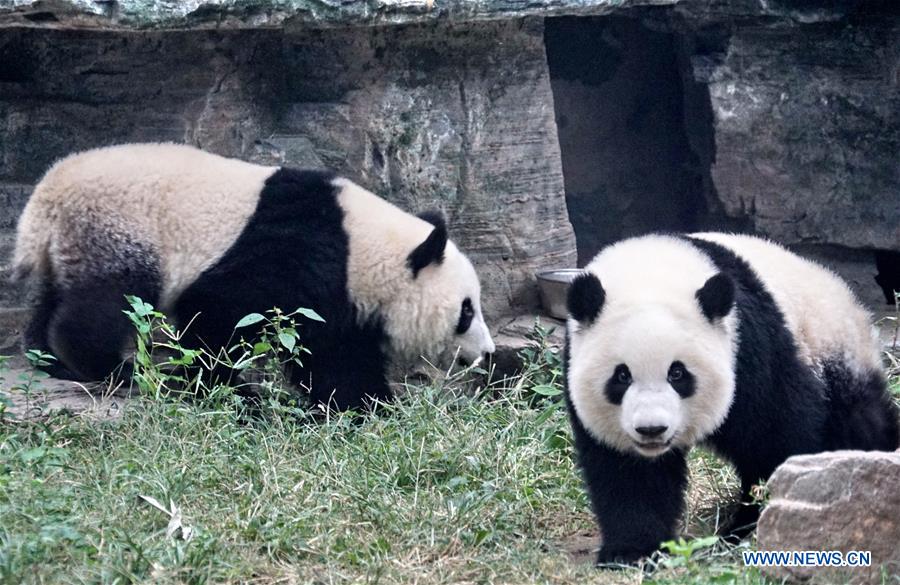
{"x": 440, "y": 487}
{"x": 443, "y": 486}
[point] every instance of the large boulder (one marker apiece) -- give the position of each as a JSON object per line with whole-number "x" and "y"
{"x": 839, "y": 501}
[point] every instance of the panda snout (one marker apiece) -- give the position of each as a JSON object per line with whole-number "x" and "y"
{"x": 652, "y": 432}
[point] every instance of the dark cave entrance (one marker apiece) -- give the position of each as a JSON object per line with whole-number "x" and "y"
{"x": 635, "y": 130}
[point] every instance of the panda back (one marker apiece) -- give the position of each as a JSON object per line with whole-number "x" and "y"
{"x": 824, "y": 317}
{"x": 186, "y": 205}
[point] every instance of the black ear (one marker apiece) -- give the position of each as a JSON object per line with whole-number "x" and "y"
{"x": 716, "y": 297}
{"x": 433, "y": 216}
{"x": 429, "y": 251}
{"x": 586, "y": 297}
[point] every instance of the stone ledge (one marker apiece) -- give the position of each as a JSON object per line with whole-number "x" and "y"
{"x": 512, "y": 337}
{"x": 162, "y": 14}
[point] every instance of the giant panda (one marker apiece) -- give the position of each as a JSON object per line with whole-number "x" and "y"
{"x": 727, "y": 340}
{"x": 211, "y": 239}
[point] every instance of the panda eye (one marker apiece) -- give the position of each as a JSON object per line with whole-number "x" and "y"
{"x": 682, "y": 380}
{"x": 618, "y": 384}
{"x": 622, "y": 374}
{"x": 676, "y": 372}
{"x": 466, "y": 314}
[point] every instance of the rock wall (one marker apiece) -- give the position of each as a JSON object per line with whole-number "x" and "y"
{"x": 628, "y": 163}
{"x": 426, "y": 115}
{"x": 807, "y": 127}
{"x": 776, "y": 118}
{"x": 805, "y": 104}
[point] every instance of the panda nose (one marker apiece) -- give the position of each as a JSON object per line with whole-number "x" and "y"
{"x": 652, "y": 432}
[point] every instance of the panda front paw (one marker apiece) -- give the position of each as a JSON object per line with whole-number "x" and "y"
{"x": 620, "y": 557}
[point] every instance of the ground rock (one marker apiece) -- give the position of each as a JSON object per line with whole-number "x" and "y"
{"x": 845, "y": 501}
{"x": 518, "y": 333}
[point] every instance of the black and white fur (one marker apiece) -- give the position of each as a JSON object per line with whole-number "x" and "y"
{"x": 728, "y": 340}
{"x": 211, "y": 239}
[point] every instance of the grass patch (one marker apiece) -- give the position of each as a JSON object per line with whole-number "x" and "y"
{"x": 440, "y": 488}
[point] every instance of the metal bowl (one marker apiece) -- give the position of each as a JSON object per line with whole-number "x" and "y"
{"x": 554, "y": 286}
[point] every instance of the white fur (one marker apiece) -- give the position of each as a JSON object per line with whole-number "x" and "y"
{"x": 651, "y": 318}
{"x": 420, "y": 314}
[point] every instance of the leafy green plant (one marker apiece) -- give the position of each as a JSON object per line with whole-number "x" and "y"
{"x": 540, "y": 383}
{"x": 699, "y": 560}
{"x": 156, "y": 376}
{"x": 542, "y": 365}
{"x": 163, "y": 365}
{"x": 682, "y": 550}
{"x": 277, "y": 344}
{"x": 27, "y": 383}
{"x": 272, "y": 352}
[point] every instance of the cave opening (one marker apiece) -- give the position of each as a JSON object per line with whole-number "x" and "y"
{"x": 887, "y": 263}
{"x": 635, "y": 130}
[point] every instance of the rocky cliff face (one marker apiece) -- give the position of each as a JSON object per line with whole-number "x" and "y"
{"x": 779, "y": 117}
{"x": 805, "y": 104}
{"x": 776, "y": 118}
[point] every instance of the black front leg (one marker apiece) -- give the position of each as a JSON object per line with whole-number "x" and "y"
{"x": 347, "y": 375}
{"x": 637, "y": 501}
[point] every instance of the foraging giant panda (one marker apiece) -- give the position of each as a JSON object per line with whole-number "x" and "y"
{"x": 727, "y": 340}
{"x": 211, "y": 239}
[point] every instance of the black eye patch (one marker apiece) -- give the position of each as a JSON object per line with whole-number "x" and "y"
{"x": 617, "y": 384}
{"x": 681, "y": 379}
{"x": 466, "y": 313}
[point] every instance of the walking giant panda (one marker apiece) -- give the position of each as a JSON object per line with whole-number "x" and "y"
{"x": 723, "y": 339}
{"x": 211, "y": 239}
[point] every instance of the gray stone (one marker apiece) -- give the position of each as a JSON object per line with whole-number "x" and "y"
{"x": 844, "y": 501}
{"x": 513, "y": 335}
{"x": 142, "y": 14}
{"x": 12, "y": 323}
{"x": 37, "y": 397}
{"x": 459, "y": 118}
{"x": 12, "y": 200}
{"x": 807, "y": 130}
{"x": 787, "y": 120}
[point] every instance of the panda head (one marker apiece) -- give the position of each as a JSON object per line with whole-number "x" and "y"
{"x": 655, "y": 371}
{"x": 404, "y": 272}
{"x": 444, "y": 314}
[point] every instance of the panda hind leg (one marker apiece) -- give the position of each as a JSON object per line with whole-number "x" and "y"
{"x": 743, "y": 523}
{"x": 89, "y": 329}
{"x": 861, "y": 413}
{"x": 35, "y": 337}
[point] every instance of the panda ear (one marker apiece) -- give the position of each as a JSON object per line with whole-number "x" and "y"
{"x": 430, "y": 251}
{"x": 585, "y": 299}
{"x": 716, "y": 297}
{"x": 435, "y": 217}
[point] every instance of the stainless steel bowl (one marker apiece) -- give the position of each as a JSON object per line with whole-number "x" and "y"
{"x": 554, "y": 286}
